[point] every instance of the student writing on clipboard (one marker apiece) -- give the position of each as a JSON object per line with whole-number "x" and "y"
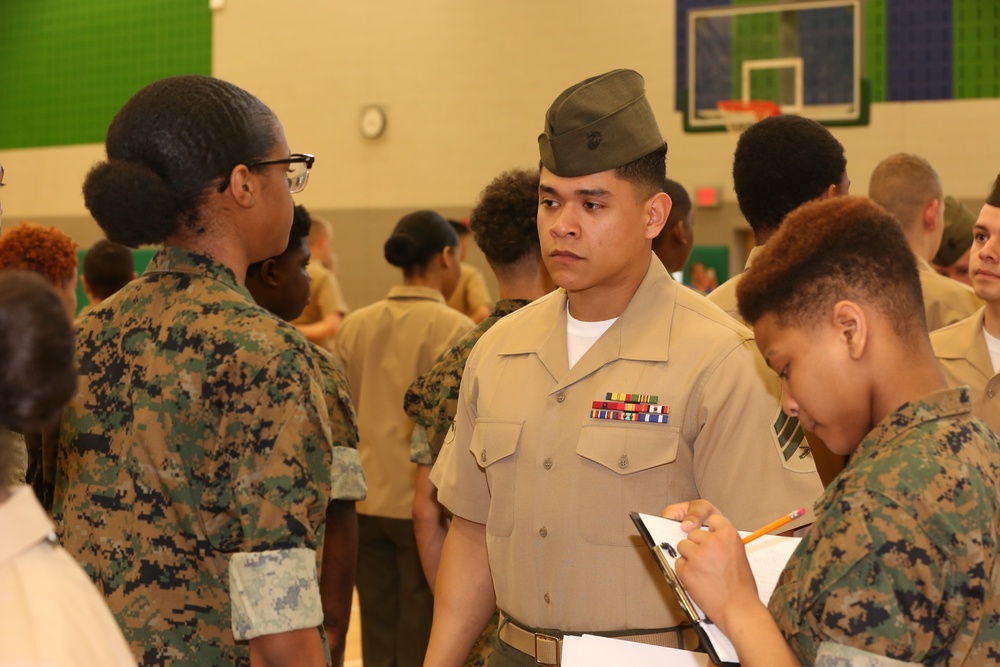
{"x": 900, "y": 566}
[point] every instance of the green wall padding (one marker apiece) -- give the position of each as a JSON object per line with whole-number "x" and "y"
{"x": 976, "y": 44}
{"x": 875, "y": 31}
{"x": 69, "y": 65}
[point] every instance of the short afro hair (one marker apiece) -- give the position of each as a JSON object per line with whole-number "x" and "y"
{"x": 42, "y": 250}
{"x": 505, "y": 221}
{"x": 830, "y": 250}
{"x": 107, "y": 267}
{"x": 781, "y": 162}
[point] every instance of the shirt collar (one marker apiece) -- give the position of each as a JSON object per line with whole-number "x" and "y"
{"x": 940, "y": 404}
{"x": 416, "y": 292}
{"x": 173, "y": 259}
{"x": 24, "y": 522}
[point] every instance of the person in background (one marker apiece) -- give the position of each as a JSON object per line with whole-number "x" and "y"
{"x": 504, "y": 225}
{"x": 780, "y": 163}
{"x": 908, "y": 187}
{"x": 107, "y": 267}
{"x": 901, "y": 565}
{"x": 969, "y": 350}
{"x": 45, "y": 251}
{"x": 280, "y": 284}
{"x": 193, "y": 477}
{"x": 51, "y": 254}
{"x": 675, "y": 241}
{"x": 540, "y": 480}
{"x": 321, "y": 317}
{"x": 384, "y": 347}
{"x": 53, "y": 615}
{"x": 471, "y": 296}
{"x": 952, "y": 258}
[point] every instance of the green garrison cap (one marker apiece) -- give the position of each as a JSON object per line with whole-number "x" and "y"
{"x": 958, "y": 224}
{"x": 600, "y": 123}
{"x": 994, "y": 197}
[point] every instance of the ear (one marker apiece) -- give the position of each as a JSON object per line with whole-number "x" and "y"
{"x": 269, "y": 274}
{"x": 831, "y": 191}
{"x": 657, "y": 211}
{"x": 86, "y": 287}
{"x": 931, "y": 215}
{"x": 851, "y": 324}
{"x": 242, "y": 186}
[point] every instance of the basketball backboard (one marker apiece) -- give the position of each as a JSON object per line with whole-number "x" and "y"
{"x": 804, "y": 56}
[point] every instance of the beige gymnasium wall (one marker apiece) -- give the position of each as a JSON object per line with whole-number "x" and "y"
{"x": 465, "y": 85}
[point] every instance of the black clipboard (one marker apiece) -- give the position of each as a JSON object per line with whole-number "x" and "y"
{"x": 699, "y": 622}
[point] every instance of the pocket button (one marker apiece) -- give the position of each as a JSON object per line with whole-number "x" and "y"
{"x": 623, "y": 462}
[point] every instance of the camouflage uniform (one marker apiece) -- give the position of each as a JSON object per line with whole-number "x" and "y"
{"x": 194, "y": 461}
{"x": 430, "y": 403}
{"x": 347, "y": 479}
{"x": 902, "y": 561}
{"x": 432, "y": 399}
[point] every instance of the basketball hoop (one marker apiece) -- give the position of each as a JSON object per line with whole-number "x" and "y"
{"x": 738, "y": 115}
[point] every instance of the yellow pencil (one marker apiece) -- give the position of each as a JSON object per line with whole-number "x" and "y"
{"x": 777, "y": 523}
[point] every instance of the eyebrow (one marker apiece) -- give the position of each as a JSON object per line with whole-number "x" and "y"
{"x": 583, "y": 192}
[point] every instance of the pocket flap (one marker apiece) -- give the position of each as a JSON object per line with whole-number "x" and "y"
{"x": 493, "y": 440}
{"x": 629, "y": 449}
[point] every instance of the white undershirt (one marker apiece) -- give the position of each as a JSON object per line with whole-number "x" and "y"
{"x": 993, "y": 345}
{"x": 581, "y": 336}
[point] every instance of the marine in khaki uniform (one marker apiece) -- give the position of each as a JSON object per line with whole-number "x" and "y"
{"x": 779, "y": 164}
{"x": 908, "y": 187}
{"x": 621, "y": 391}
{"x": 902, "y": 563}
{"x": 384, "y": 347}
{"x": 969, "y": 351}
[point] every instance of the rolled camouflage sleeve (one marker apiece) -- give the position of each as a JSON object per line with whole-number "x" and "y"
{"x": 274, "y": 592}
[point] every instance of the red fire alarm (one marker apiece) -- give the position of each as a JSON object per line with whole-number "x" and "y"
{"x": 708, "y": 197}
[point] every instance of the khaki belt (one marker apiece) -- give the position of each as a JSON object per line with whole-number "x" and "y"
{"x": 547, "y": 650}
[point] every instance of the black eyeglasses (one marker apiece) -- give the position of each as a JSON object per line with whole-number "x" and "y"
{"x": 299, "y": 165}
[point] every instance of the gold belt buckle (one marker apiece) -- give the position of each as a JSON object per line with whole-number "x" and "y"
{"x": 547, "y": 642}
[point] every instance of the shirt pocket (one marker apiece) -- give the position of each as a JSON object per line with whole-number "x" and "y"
{"x": 494, "y": 444}
{"x": 622, "y": 469}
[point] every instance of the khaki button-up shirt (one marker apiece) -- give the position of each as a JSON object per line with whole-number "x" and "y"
{"x": 555, "y": 485}
{"x": 961, "y": 351}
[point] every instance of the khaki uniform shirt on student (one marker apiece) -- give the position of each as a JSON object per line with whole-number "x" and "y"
{"x": 946, "y": 301}
{"x": 471, "y": 292}
{"x": 555, "y": 486}
{"x": 325, "y": 297}
{"x": 724, "y": 296}
{"x": 384, "y": 347}
{"x": 961, "y": 351}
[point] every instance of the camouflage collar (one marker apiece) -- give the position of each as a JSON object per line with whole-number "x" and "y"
{"x": 938, "y": 405}
{"x": 172, "y": 259}
{"x": 507, "y": 306}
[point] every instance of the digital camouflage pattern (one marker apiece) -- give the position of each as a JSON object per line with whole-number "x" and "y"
{"x": 902, "y": 560}
{"x": 432, "y": 399}
{"x": 198, "y": 433}
{"x": 347, "y": 479}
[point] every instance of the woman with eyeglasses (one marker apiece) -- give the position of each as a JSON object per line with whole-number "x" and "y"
{"x": 384, "y": 347}
{"x": 193, "y": 473}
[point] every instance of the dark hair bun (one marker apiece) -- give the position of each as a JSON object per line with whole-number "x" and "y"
{"x": 130, "y": 202}
{"x": 401, "y": 250}
{"x": 417, "y": 237}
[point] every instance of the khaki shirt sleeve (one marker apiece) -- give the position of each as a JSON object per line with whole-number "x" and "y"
{"x": 327, "y": 296}
{"x": 740, "y": 447}
{"x": 461, "y": 483}
{"x": 477, "y": 294}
